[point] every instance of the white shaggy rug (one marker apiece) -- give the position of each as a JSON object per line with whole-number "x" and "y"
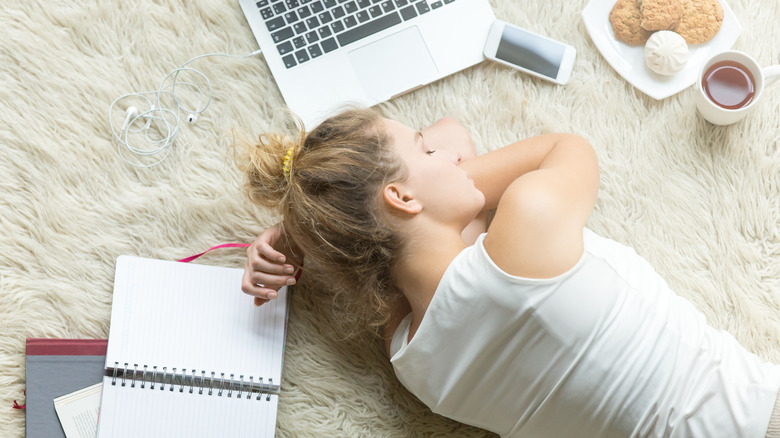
{"x": 702, "y": 203}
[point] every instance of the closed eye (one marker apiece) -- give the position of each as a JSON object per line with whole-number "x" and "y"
{"x": 421, "y": 140}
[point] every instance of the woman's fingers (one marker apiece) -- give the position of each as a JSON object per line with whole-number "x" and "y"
{"x": 260, "y": 264}
{"x": 264, "y": 249}
{"x": 265, "y": 271}
{"x": 263, "y": 281}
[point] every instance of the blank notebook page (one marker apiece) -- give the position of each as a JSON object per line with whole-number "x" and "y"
{"x": 164, "y": 414}
{"x": 179, "y": 315}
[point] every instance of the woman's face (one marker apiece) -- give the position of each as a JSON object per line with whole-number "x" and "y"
{"x": 434, "y": 176}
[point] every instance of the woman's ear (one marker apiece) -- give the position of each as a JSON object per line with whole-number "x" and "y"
{"x": 400, "y": 201}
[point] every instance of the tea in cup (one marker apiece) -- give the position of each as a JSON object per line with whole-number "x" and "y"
{"x": 730, "y": 85}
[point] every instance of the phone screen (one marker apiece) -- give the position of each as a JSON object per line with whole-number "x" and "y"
{"x": 530, "y": 51}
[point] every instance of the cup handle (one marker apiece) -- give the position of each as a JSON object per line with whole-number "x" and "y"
{"x": 771, "y": 74}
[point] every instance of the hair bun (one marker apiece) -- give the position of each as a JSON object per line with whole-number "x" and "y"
{"x": 268, "y": 165}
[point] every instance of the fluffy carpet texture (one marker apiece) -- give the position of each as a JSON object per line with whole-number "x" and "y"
{"x": 701, "y": 202}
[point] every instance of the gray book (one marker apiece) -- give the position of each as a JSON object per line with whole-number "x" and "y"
{"x": 57, "y": 367}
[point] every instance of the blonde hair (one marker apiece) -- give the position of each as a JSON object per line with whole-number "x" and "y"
{"x": 327, "y": 187}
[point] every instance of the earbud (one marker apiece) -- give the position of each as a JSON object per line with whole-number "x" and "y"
{"x": 132, "y": 113}
{"x": 192, "y": 118}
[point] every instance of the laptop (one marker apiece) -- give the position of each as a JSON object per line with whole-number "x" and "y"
{"x": 325, "y": 54}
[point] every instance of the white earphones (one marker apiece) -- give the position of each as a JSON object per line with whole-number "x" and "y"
{"x": 160, "y": 123}
{"x": 132, "y": 113}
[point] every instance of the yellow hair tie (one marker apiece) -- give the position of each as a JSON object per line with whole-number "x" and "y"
{"x": 287, "y": 158}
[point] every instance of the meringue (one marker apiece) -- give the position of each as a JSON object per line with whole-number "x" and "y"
{"x": 666, "y": 52}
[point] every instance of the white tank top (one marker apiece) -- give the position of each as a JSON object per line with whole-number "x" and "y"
{"x": 604, "y": 350}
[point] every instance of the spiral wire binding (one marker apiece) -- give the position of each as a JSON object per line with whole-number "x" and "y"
{"x": 158, "y": 116}
{"x": 221, "y": 384}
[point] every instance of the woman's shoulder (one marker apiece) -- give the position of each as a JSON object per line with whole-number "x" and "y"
{"x": 534, "y": 234}
{"x": 460, "y": 269}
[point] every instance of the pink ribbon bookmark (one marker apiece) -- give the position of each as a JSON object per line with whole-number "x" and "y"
{"x": 226, "y": 245}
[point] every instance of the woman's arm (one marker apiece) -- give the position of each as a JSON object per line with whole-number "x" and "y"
{"x": 544, "y": 189}
{"x": 494, "y": 171}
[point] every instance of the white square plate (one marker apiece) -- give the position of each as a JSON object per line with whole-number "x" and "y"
{"x": 629, "y": 61}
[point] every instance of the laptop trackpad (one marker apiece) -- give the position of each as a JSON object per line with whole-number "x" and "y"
{"x": 394, "y": 64}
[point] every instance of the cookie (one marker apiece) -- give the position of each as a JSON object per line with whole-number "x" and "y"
{"x": 660, "y": 14}
{"x": 700, "y": 21}
{"x": 625, "y": 18}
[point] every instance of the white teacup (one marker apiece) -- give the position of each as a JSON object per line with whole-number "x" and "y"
{"x": 730, "y": 111}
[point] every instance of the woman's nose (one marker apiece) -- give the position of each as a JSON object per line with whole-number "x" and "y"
{"x": 457, "y": 158}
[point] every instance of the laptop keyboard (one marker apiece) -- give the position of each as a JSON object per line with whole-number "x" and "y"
{"x": 305, "y": 29}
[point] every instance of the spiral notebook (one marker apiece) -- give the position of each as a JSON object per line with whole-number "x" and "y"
{"x": 189, "y": 354}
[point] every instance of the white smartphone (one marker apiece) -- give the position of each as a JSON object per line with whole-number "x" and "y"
{"x": 529, "y": 52}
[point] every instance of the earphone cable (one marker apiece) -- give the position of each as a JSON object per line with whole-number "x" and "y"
{"x": 165, "y": 120}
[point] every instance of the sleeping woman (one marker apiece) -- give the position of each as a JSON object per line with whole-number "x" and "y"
{"x": 533, "y": 326}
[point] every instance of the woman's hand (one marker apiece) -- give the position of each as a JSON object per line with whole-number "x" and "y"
{"x": 267, "y": 269}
